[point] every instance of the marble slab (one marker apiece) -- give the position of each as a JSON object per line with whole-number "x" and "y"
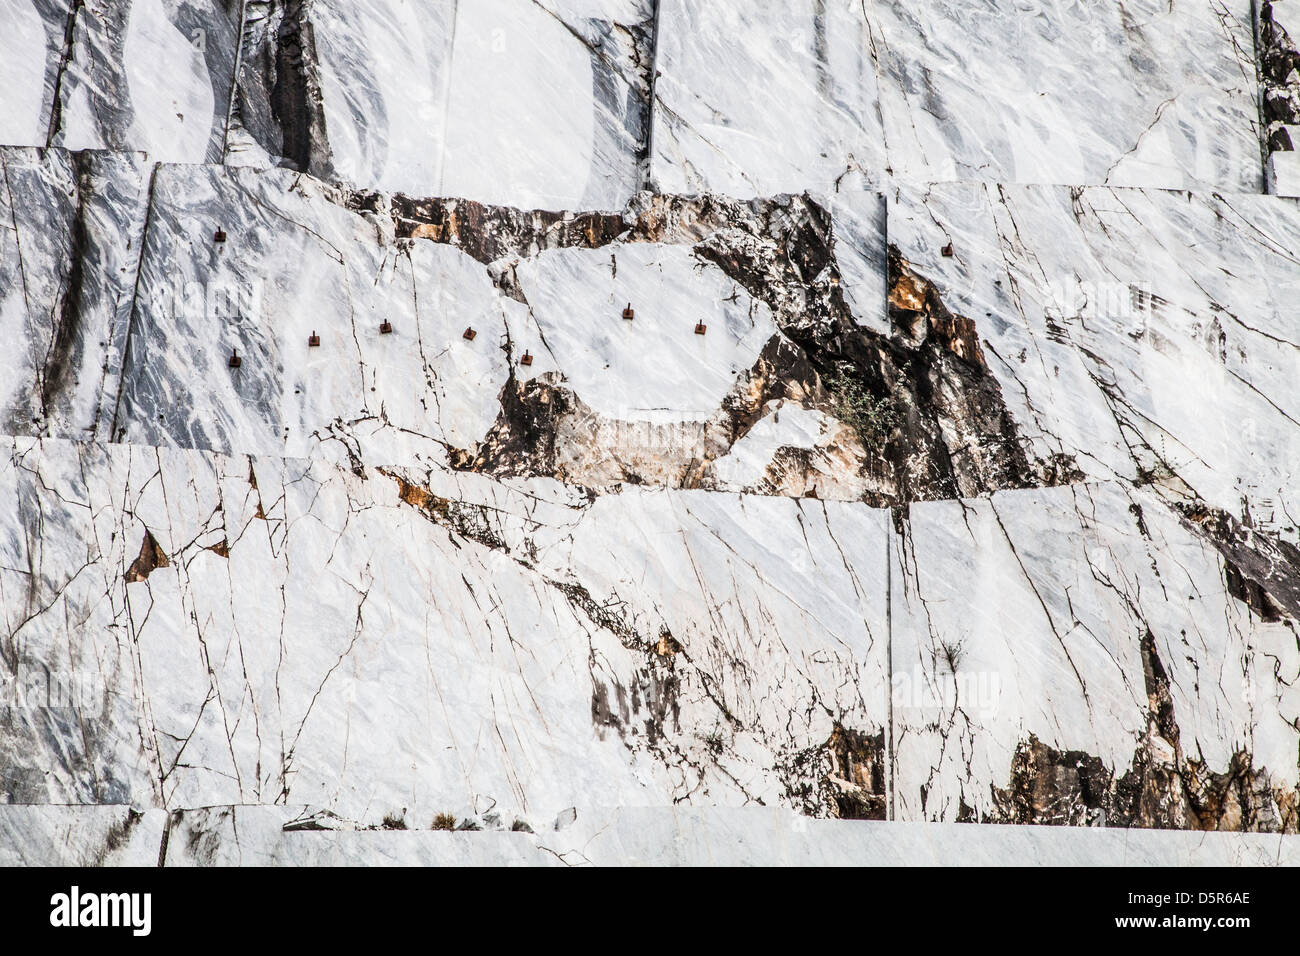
{"x": 829, "y": 94}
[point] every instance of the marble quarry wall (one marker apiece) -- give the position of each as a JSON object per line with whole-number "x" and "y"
{"x": 654, "y": 431}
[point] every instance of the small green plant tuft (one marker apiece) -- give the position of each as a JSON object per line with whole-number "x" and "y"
{"x": 872, "y": 418}
{"x": 393, "y": 821}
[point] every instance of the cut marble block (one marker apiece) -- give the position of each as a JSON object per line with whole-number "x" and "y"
{"x": 226, "y": 630}
{"x": 547, "y": 103}
{"x": 1151, "y": 93}
{"x": 1284, "y": 172}
{"x": 67, "y": 281}
{"x": 654, "y": 367}
{"x": 597, "y": 836}
{"x": 150, "y": 75}
{"x": 860, "y": 230}
{"x": 763, "y": 836}
{"x": 1145, "y": 334}
{"x": 31, "y": 48}
{"x": 296, "y": 260}
{"x": 823, "y": 94}
{"x": 1075, "y": 656}
{"x": 759, "y": 99}
{"x": 511, "y": 101}
{"x": 80, "y": 836}
{"x": 385, "y": 71}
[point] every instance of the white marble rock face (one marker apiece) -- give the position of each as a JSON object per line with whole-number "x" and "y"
{"x": 226, "y": 628}
{"x": 1025, "y": 615}
{"x": 237, "y": 630}
{"x": 31, "y": 47}
{"x": 828, "y": 94}
{"x": 753, "y": 100}
{"x": 297, "y": 260}
{"x": 654, "y": 367}
{"x": 1142, "y": 332}
{"x": 67, "y": 284}
{"x": 944, "y": 471}
{"x": 506, "y": 101}
{"x": 34, "y": 835}
{"x": 1284, "y": 171}
{"x": 629, "y": 836}
{"x": 1053, "y": 94}
{"x": 859, "y": 225}
{"x": 546, "y": 104}
{"x": 150, "y": 75}
{"x": 700, "y": 836}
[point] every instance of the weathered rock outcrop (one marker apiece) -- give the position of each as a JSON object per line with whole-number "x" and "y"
{"x": 1279, "y": 68}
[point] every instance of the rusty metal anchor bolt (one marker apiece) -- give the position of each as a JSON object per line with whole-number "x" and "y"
{"x": 470, "y": 334}
{"x": 700, "y": 328}
{"x": 219, "y": 236}
{"x": 235, "y": 360}
{"x": 947, "y": 251}
{"x": 526, "y": 359}
{"x": 385, "y": 327}
{"x": 313, "y": 340}
{"x": 629, "y": 313}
